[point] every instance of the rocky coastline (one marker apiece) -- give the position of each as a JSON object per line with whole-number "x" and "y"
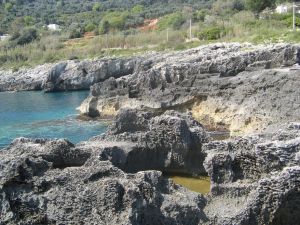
{"x": 164, "y": 107}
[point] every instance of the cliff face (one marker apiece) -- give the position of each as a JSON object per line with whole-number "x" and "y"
{"x": 67, "y": 76}
{"x": 233, "y": 87}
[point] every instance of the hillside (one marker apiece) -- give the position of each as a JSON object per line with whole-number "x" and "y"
{"x": 96, "y": 29}
{"x": 68, "y": 13}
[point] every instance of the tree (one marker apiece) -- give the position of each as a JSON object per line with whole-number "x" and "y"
{"x": 227, "y": 7}
{"x": 137, "y": 9}
{"x": 199, "y": 15}
{"x": 8, "y": 6}
{"x": 28, "y": 20}
{"x": 259, "y": 5}
{"x": 116, "y": 19}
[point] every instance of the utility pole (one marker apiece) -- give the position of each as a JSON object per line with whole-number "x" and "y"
{"x": 190, "y": 29}
{"x": 294, "y": 17}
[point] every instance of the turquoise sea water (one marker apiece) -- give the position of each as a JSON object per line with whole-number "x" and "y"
{"x": 39, "y": 115}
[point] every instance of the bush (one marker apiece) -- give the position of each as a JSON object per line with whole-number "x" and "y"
{"x": 24, "y": 37}
{"x": 104, "y": 27}
{"x": 73, "y": 57}
{"x": 116, "y": 20}
{"x": 90, "y": 27}
{"x": 259, "y": 5}
{"x": 174, "y": 20}
{"x": 289, "y": 21}
{"x": 75, "y": 33}
{"x": 211, "y": 33}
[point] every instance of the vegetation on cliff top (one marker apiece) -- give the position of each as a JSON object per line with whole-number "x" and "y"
{"x": 121, "y": 27}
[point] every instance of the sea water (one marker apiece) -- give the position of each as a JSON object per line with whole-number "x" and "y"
{"x": 41, "y": 115}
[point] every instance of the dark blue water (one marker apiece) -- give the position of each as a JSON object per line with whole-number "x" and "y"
{"x": 39, "y": 115}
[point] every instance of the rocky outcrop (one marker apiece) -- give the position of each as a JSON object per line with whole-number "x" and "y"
{"x": 67, "y": 76}
{"x": 25, "y": 79}
{"x": 81, "y": 75}
{"x": 225, "y": 86}
{"x": 171, "y": 142}
{"x": 117, "y": 177}
{"x": 53, "y": 182}
{"x": 254, "y": 179}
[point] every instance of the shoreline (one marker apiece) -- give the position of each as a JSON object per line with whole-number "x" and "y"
{"x": 165, "y": 110}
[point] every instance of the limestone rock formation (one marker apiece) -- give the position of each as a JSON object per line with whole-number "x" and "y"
{"x": 81, "y": 75}
{"x": 68, "y": 75}
{"x": 55, "y": 182}
{"x": 25, "y": 79}
{"x": 225, "y": 86}
{"x": 118, "y": 177}
{"x": 137, "y": 141}
{"x": 255, "y": 179}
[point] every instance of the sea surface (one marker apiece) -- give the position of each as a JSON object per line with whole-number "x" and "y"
{"x": 40, "y": 115}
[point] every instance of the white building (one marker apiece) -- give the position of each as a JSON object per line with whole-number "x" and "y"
{"x": 53, "y": 27}
{"x": 282, "y": 9}
{"x": 4, "y": 37}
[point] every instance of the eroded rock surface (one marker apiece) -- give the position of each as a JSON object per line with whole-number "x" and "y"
{"x": 254, "y": 179}
{"x": 171, "y": 142}
{"x": 81, "y": 75}
{"x": 68, "y": 75}
{"x": 235, "y": 87}
{"x": 26, "y": 79}
{"x": 55, "y": 182}
{"x": 116, "y": 178}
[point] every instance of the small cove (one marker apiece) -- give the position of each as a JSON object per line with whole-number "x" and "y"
{"x": 38, "y": 115}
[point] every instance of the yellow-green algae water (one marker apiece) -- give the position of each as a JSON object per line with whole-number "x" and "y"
{"x": 196, "y": 184}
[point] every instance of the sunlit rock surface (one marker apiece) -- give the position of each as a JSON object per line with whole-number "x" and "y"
{"x": 238, "y": 88}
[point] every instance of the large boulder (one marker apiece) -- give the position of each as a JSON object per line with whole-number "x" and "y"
{"x": 171, "y": 142}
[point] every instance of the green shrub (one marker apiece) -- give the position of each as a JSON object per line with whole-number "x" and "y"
{"x": 97, "y": 7}
{"x": 174, "y": 21}
{"x": 289, "y": 21}
{"x": 75, "y": 33}
{"x": 211, "y": 33}
{"x": 24, "y": 37}
{"x": 8, "y": 6}
{"x": 90, "y": 27}
{"x": 104, "y": 27}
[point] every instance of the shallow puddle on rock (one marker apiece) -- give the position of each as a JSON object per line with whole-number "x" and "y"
{"x": 196, "y": 184}
{"x": 219, "y": 136}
